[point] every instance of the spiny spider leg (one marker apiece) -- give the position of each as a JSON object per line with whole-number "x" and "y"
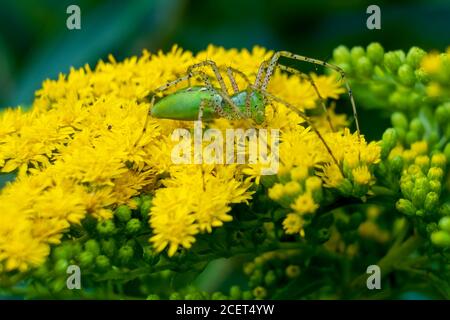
{"x": 289, "y": 55}
{"x": 310, "y": 80}
{"x": 305, "y": 117}
{"x": 215, "y": 69}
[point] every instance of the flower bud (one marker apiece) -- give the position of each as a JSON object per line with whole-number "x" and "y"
{"x": 423, "y": 162}
{"x": 86, "y": 258}
{"x": 435, "y": 186}
{"x": 247, "y": 295}
{"x": 439, "y": 160}
{"x": 364, "y": 67}
{"x": 447, "y": 150}
{"x": 260, "y": 292}
{"x": 442, "y": 113}
{"x": 123, "y": 213}
{"x": 406, "y": 75}
{"x": 435, "y": 173}
{"x": 392, "y": 61}
{"x": 93, "y": 247}
{"x": 414, "y": 57}
{"x": 411, "y": 137}
{"x": 235, "y": 293}
{"x": 444, "y": 224}
{"x": 396, "y": 164}
{"x": 406, "y": 207}
{"x": 126, "y": 252}
{"x": 292, "y": 271}
{"x": 399, "y": 120}
{"x": 102, "y": 262}
{"x": 375, "y": 52}
{"x": 431, "y": 202}
{"x": 417, "y": 126}
{"x": 133, "y": 226}
{"x": 145, "y": 208}
{"x": 106, "y": 228}
{"x": 153, "y": 297}
{"x": 61, "y": 266}
{"x": 270, "y": 279}
{"x": 407, "y": 187}
{"x": 108, "y": 247}
{"x": 341, "y": 54}
{"x": 389, "y": 141}
{"x": 441, "y": 238}
{"x": 356, "y": 53}
{"x": 175, "y": 296}
{"x": 345, "y": 187}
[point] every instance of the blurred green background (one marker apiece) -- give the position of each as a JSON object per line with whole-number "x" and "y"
{"x": 35, "y": 43}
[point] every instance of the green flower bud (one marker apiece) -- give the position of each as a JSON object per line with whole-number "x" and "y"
{"x": 92, "y": 246}
{"x": 347, "y": 67}
{"x": 341, "y": 54}
{"x": 153, "y": 297}
{"x": 442, "y": 113}
{"x": 133, "y": 226}
{"x": 58, "y": 285}
{"x": 235, "y": 293}
{"x": 411, "y": 137}
{"x": 431, "y": 202}
{"x": 399, "y": 120}
{"x": 435, "y": 173}
{"x": 249, "y": 268}
{"x": 396, "y": 164}
{"x": 106, "y": 228}
{"x": 126, "y": 252}
{"x": 218, "y": 296}
{"x": 406, "y": 207}
{"x": 145, "y": 208}
{"x": 270, "y": 278}
{"x": 422, "y": 76}
{"x": 435, "y": 186}
{"x": 414, "y": 56}
{"x": 389, "y": 141}
{"x": 392, "y": 61}
{"x": 292, "y": 271}
{"x": 61, "y": 266}
{"x": 441, "y": 238}
{"x": 247, "y": 295}
{"x": 364, "y": 67}
{"x": 375, "y": 52}
{"x": 62, "y": 252}
{"x": 108, "y": 247}
{"x": 345, "y": 187}
{"x": 175, "y": 296}
{"x": 194, "y": 296}
{"x": 444, "y": 224}
{"x": 423, "y": 162}
{"x": 123, "y": 213}
{"x": 356, "y": 53}
{"x": 86, "y": 258}
{"x": 102, "y": 262}
{"x": 256, "y": 278}
{"x": 417, "y": 126}
{"x": 260, "y": 292}
{"x": 444, "y": 210}
{"x": 406, "y": 75}
{"x": 439, "y": 160}
{"x": 420, "y": 213}
{"x": 407, "y": 188}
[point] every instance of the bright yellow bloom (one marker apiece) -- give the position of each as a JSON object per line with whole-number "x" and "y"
{"x": 362, "y": 175}
{"x": 431, "y": 63}
{"x": 305, "y": 204}
{"x": 293, "y": 223}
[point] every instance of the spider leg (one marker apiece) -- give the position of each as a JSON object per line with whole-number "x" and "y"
{"x": 274, "y": 61}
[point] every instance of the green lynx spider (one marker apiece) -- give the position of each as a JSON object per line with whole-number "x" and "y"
{"x": 207, "y": 102}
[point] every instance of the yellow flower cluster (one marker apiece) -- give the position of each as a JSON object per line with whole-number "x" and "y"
{"x": 82, "y": 150}
{"x": 437, "y": 68}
